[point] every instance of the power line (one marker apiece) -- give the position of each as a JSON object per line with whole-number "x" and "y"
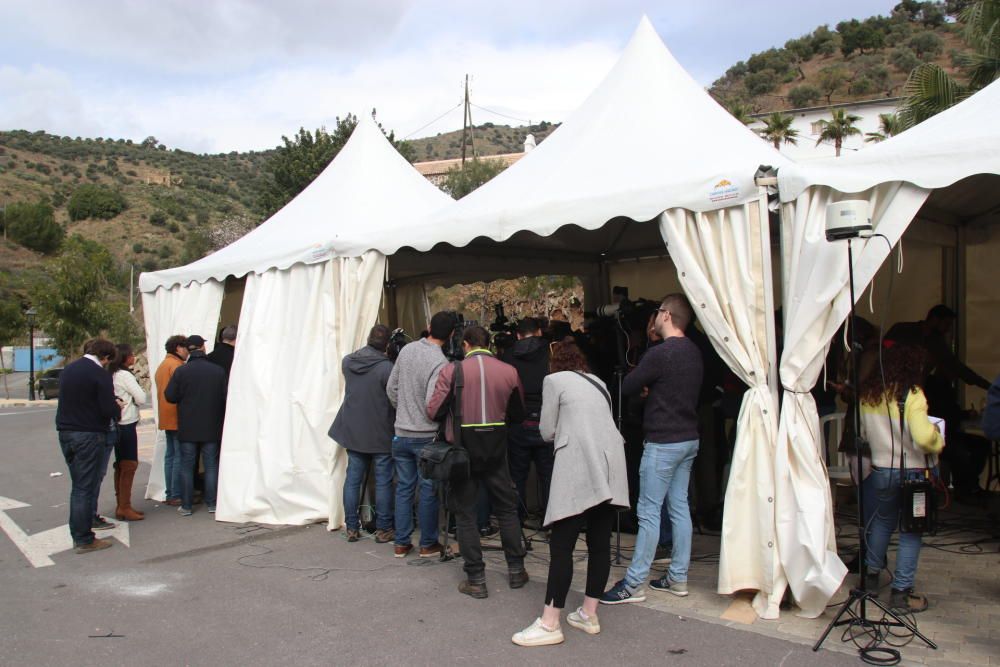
{"x": 497, "y": 113}
{"x": 433, "y": 121}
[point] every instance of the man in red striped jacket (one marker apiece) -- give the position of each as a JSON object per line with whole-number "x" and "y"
{"x": 492, "y": 397}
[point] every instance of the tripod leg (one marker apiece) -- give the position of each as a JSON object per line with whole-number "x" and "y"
{"x": 903, "y": 622}
{"x": 618, "y": 537}
{"x": 844, "y": 609}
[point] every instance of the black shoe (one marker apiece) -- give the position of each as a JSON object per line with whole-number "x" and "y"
{"x": 100, "y": 523}
{"x": 489, "y": 531}
{"x": 907, "y": 600}
{"x": 517, "y": 578}
{"x": 473, "y": 590}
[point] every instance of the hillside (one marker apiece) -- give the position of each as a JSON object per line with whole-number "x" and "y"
{"x": 489, "y": 139}
{"x": 859, "y": 60}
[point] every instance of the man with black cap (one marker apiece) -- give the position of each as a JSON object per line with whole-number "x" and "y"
{"x": 966, "y": 454}
{"x": 198, "y": 388}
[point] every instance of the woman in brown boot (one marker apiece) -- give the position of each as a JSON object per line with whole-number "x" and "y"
{"x": 130, "y": 395}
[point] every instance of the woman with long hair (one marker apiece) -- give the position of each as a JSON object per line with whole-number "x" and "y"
{"x": 589, "y": 485}
{"x": 912, "y": 445}
{"x": 130, "y": 396}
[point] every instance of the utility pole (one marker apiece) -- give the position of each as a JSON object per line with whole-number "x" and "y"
{"x": 466, "y": 117}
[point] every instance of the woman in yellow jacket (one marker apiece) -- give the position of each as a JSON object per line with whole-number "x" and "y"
{"x": 915, "y": 446}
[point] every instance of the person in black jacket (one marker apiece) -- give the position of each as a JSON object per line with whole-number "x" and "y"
{"x": 224, "y": 350}
{"x": 364, "y": 427}
{"x": 530, "y": 356}
{"x": 198, "y": 388}
{"x": 86, "y": 409}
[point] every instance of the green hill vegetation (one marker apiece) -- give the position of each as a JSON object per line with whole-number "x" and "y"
{"x": 857, "y": 60}
{"x": 488, "y": 139}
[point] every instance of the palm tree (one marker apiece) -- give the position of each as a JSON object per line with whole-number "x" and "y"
{"x": 740, "y": 111}
{"x": 839, "y": 128}
{"x": 930, "y": 90}
{"x": 888, "y": 126}
{"x": 778, "y": 128}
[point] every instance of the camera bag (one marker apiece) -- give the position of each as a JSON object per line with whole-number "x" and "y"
{"x": 442, "y": 461}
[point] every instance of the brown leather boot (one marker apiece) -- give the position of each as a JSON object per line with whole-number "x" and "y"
{"x": 126, "y": 473}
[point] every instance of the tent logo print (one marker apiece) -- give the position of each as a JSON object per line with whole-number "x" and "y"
{"x": 724, "y": 190}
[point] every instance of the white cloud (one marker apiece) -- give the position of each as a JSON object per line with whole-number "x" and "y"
{"x": 408, "y": 89}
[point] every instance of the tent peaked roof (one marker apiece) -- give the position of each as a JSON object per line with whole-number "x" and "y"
{"x": 648, "y": 138}
{"x": 368, "y": 188}
{"x": 959, "y": 142}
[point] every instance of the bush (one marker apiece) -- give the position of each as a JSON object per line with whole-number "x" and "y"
{"x": 137, "y": 247}
{"x": 904, "y": 59}
{"x": 33, "y": 226}
{"x": 803, "y": 96}
{"x": 926, "y": 45}
{"x": 95, "y": 201}
{"x": 158, "y": 218}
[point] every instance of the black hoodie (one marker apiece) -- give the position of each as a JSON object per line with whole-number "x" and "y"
{"x": 530, "y": 356}
{"x": 365, "y": 420}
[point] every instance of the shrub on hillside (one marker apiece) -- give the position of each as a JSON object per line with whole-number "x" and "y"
{"x": 95, "y": 201}
{"x": 33, "y": 226}
{"x": 904, "y": 59}
{"x": 158, "y": 218}
{"x": 926, "y": 45}
{"x": 803, "y": 96}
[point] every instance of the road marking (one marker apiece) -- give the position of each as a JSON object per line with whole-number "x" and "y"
{"x": 27, "y": 412}
{"x": 38, "y": 547}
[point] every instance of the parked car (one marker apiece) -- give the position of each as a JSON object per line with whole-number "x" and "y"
{"x": 48, "y": 383}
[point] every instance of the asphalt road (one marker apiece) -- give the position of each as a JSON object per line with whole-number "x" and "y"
{"x": 195, "y": 591}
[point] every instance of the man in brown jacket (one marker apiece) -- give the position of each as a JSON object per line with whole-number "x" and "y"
{"x": 492, "y": 397}
{"x": 177, "y": 353}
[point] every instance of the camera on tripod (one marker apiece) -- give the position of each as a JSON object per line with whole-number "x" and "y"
{"x": 397, "y": 340}
{"x": 452, "y": 347}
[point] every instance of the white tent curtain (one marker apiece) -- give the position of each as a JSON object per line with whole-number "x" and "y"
{"x": 723, "y": 260}
{"x": 193, "y": 309}
{"x": 278, "y": 464}
{"x": 816, "y": 302}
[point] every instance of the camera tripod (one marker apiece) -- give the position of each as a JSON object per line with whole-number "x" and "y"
{"x": 855, "y": 607}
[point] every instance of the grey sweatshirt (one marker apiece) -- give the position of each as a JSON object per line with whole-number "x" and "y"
{"x": 411, "y": 384}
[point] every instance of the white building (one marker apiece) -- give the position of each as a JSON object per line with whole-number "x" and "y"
{"x": 807, "y": 123}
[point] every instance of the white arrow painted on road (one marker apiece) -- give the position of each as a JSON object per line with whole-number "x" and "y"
{"x": 38, "y": 547}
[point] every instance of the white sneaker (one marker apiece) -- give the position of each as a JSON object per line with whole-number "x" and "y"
{"x": 537, "y": 635}
{"x": 590, "y": 625}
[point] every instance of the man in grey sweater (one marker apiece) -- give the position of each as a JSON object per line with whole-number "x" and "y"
{"x": 410, "y": 385}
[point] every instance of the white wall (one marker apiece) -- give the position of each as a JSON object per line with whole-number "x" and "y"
{"x": 806, "y": 149}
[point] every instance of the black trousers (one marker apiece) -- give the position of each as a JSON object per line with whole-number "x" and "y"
{"x": 462, "y": 497}
{"x": 562, "y": 541}
{"x": 524, "y": 447}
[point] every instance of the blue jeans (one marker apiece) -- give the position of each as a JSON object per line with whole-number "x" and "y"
{"x": 172, "y": 465}
{"x": 881, "y": 495}
{"x": 188, "y": 462}
{"x": 357, "y": 466}
{"x": 666, "y": 531}
{"x": 84, "y": 453}
{"x": 665, "y": 472}
{"x": 110, "y": 442}
{"x": 405, "y": 454}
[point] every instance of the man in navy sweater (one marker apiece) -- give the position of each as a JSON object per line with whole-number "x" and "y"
{"x": 671, "y": 373}
{"x": 85, "y": 411}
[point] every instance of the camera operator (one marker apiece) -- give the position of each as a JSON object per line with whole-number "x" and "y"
{"x": 492, "y": 396}
{"x": 530, "y": 356}
{"x": 672, "y": 373}
{"x": 409, "y": 383}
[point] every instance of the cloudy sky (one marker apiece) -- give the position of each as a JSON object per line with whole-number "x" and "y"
{"x": 222, "y": 75}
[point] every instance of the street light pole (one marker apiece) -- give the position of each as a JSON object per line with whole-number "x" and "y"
{"x": 30, "y": 315}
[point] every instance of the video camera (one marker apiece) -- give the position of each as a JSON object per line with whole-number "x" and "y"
{"x": 452, "y": 347}
{"x": 397, "y": 339}
{"x": 503, "y": 328}
{"x": 636, "y": 312}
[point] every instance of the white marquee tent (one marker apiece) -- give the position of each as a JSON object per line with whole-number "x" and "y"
{"x": 649, "y": 162}
{"x": 312, "y": 292}
{"x": 953, "y": 159}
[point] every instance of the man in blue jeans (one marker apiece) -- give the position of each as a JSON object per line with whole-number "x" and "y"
{"x": 364, "y": 428}
{"x": 85, "y": 410}
{"x": 198, "y": 388}
{"x": 671, "y": 372}
{"x": 410, "y": 384}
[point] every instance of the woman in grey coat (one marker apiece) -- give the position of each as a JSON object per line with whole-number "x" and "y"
{"x": 589, "y": 485}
